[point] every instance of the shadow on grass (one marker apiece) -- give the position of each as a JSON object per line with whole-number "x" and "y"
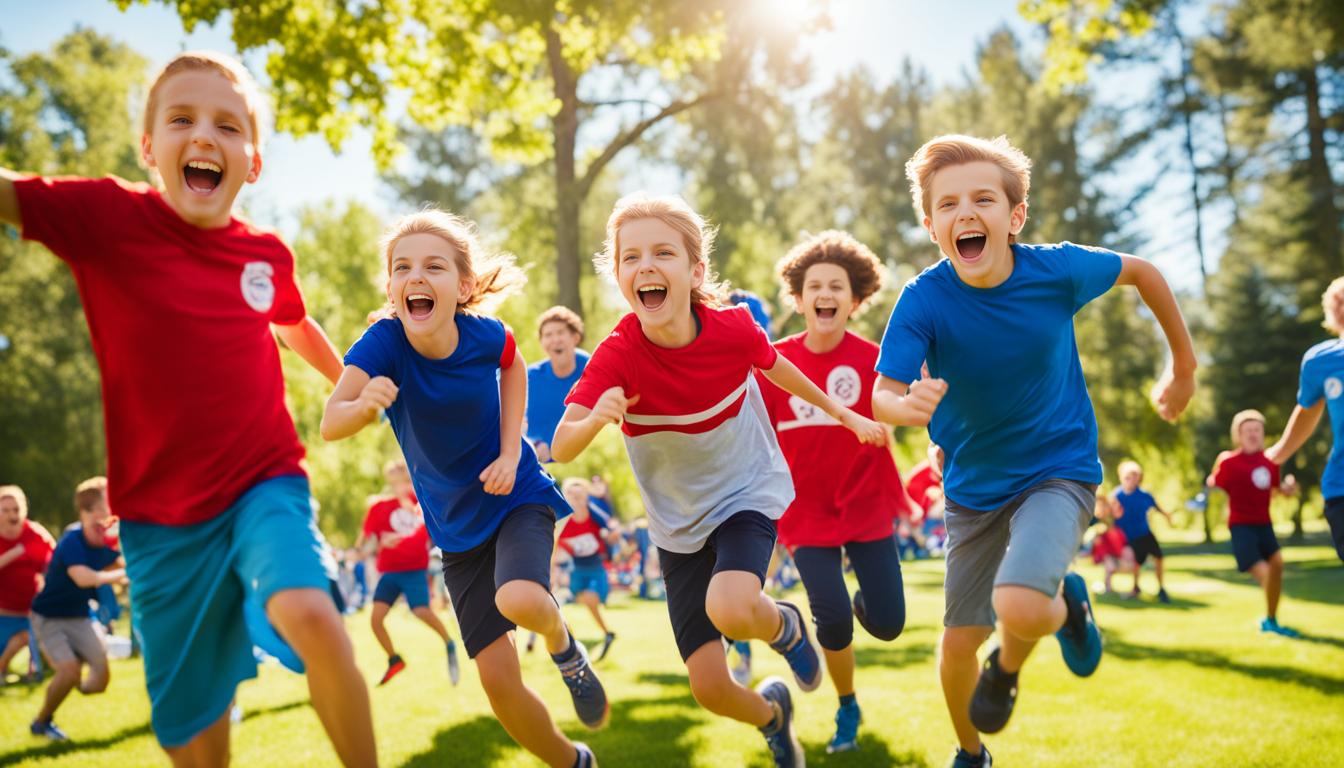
{"x": 1117, "y": 600}
{"x": 1317, "y": 581}
{"x": 1118, "y": 647}
{"x": 893, "y": 656}
{"x": 872, "y": 751}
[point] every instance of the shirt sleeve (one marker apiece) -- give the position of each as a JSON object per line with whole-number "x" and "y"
{"x": 73, "y": 217}
{"x": 602, "y": 372}
{"x": 1310, "y": 387}
{"x": 510, "y": 351}
{"x": 762, "y": 353}
{"x": 905, "y": 342}
{"x": 371, "y": 520}
{"x": 373, "y": 352}
{"x": 289, "y": 306}
{"x": 1092, "y": 270}
{"x": 1220, "y": 475}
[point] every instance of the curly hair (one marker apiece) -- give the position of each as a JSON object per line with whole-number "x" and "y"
{"x": 832, "y": 247}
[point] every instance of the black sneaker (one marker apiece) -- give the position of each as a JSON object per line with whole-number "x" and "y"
{"x": 964, "y": 759}
{"x": 590, "y": 699}
{"x": 779, "y": 735}
{"x": 585, "y": 758}
{"x": 994, "y": 697}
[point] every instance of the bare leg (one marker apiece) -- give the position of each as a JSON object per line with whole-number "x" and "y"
{"x": 959, "y": 669}
{"x": 207, "y": 749}
{"x": 530, "y": 606}
{"x": 377, "y": 619}
{"x": 519, "y": 709}
{"x": 16, "y": 642}
{"x": 425, "y": 614}
{"x": 590, "y": 599}
{"x": 1161, "y": 573}
{"x": 740, "y": 610}
{"x": 716, "y": 691}
{"x": 67, "y": 677}
{"x": 840, "y": 666}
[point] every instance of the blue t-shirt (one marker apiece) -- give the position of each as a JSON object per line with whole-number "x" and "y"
{"x": 1016, "y": 410}
{"x": 757, "y": 308}
{"x": 61, "y": 597}
{"x": 1134, "y": 523}
{"x": 1323, "y": 377}
{"x": 546, "y": 396}
{"x": 446, "y": 419}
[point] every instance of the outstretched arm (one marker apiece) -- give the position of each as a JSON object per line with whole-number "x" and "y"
{"x": 308, "y": 339}
{"x": 356, "y": 403}
{"x": 580, "y": 425}
{"x": 498, "y": 477}
{"x": 1300, "y": 426}
{"x": 786, "y": 376}
{"x": 907, "y": 405}
{"x": 9, "y": 199}
{"x": 1173, "y": 391}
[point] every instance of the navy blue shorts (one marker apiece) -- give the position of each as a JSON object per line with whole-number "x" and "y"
{"x": 1145, "y": 546}
{"x": 743, "y": 542}
{"x": 413, "y": 584}
{"x": 1252, "y": 543}
{"x": 520, "y": 549}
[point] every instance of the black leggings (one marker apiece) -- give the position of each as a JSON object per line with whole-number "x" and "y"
{"x": 1334, "y": 515}
{"x": 878, "y": 568}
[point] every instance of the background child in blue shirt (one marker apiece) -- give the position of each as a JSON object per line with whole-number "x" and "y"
{"x": 1132, "y": 518}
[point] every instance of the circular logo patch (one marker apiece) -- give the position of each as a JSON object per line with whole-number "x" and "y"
{"x": 1260, "y": 476}
{"x": 843, "y": 384}
{"x": 1333, "y": 388}
{"x": 405, "y": 521}
{"x": 258, "y": 288}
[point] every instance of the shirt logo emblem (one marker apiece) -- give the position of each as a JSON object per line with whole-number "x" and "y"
{"x": 1260, "y": 476}
{"x": 405, "y": 521}
{"x": 258, "y": 287}
{"x": 1333, "y": 388}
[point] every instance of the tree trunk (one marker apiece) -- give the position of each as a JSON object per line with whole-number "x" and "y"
{"x": 1297, "y": 517}
{"x": 1325, "y": 212}
{"x": 565, "y": 129}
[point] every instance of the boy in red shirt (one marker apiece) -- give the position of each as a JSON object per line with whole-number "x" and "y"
{"x": 25, "y": 550}
{"x": 396, "y": 528}
{"x": 1250, "y": 480}
{"x": 183, "y": 302}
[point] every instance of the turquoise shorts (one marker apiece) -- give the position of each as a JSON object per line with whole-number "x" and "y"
{"x": 188, "y": 587}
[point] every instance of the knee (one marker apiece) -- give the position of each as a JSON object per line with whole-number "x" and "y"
{"x": 834, "y": 634}
{"x": 1024, "y": 612}
{"x": 68, "y": 669}
{"x": 731, "y": 618}
{"x": 712, "y": 692}
{"x": 521, "y": 601}
{"x": 883, "y": 621}
{"x": 301, "y": 614}
{"x": 499, "y": 681}
{"x": 97, "y": 680}
{"x": 960, "y": 644}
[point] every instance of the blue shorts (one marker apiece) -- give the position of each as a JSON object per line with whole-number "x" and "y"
{"x": 590, "y": 578}
{"x": 413, "y": 584}
{"x": 1252, "y": 543}
{"x": 11, "y": 626}
{"x": 189, "y": 584}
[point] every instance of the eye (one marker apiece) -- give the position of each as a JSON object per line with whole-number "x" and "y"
{"x": 945, "y": 205}
{"x": 630, "y": 257}
{"x": 400, "y": 268}
{"x": 229, "y": 128}
{"x": 666, "y": 252}
{"x": 180, "y": 120}
{"x": 985, "y": 199}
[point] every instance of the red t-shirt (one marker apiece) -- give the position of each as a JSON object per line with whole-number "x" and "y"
{"x": 180, "y": 318}
{"x": 390, "y": 516}
{"x": 1250, "y": 480}
{"x": 582, "y": 540}
{"x": 844, "y": 490}
{"x": 20, "y": 579}
{"x": 921, "y": 484}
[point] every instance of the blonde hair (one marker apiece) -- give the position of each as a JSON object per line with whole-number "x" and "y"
{"x": 16, "y": 493}
{"x": 395, "y": 465}
{"x": 91, "y": 493}
{"x": 1126, "y": 466}
{"x": 494, "y": 276}
{"x": 561, "y": 314}
{"x": 1332, "y": 302}
{"x": 945, "y": 151}
{"x": 842, "y": 249}
{"x": 230, "y": 68}
{"x": 576, "y": 482}
{"x": 696, "y": 235}
{"x": 1242, "y": 417}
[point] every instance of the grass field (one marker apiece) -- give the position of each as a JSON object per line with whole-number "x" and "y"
{"x": 1189, "y": 684}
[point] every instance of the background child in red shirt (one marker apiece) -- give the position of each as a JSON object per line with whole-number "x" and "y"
{"x": 25, "y": 550}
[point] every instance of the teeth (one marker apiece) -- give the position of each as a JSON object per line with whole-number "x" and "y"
{"x": 415, "y": 296}
{"x": 965, "y": 235}
{"x": 205, "y": 165}
{"x": 653, "y": 288}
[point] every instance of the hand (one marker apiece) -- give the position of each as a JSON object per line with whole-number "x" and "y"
{"x": 1274, "y": 454}
{"x": 612, "y": 405}
{"x": 543, "y": 451}
{"x": 498, "y": 477}
{"x": 390, "y": 539}
{"x": 923, "y": 399}
{"x": 377, "y": 396}
{"x": 1172, "y": 393}
{"x": 935, "y": 454}
{"x": 1289, "y": 486}
{"x": 867, "y": 430}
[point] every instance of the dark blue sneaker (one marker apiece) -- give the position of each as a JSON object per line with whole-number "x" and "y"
{"x": 994, "y": 697}
{"x": 48, "y": 730}
{"x": 585, "y": 758}
{"x": 1079, "y": 638}
{"x": 796, "y": 647}
{"x": 590, "y": 699}
{"x": 779, "y": 735}
{"x": 454, "y": 671}
{"x": 964, "y": 759}
{"x": 847, "y": 719}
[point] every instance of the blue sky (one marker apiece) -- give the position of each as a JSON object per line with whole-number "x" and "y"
{"x": 878, "y": 34}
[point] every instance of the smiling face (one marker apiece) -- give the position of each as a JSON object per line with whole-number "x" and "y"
{"x": 1131, "y": 478}
{"x": 559, "y": 340}
{"x": 827, "y": 299}
{"x": 1251, "y": 436}
{"x": 399, "y": 480}
{"x": 12, "y": 515}
{"x": 577, "y": 496}
{"x": 655, "y": 273}
{"x": 424, "y": 283}
{"x": 971, "y": 219}
{"x": 96, "y": 521}
{"x": 201, "y": 143}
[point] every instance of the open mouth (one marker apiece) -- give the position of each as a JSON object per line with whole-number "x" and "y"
{"x": 826, "y": 313}
{"x": 970, "y": 245}
{"x": 202, "y": 176}
{"x": 419, "y": 306}
{"x": 653, "y": 296}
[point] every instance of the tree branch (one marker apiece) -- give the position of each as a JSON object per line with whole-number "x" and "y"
{"x": 632, "y": 134}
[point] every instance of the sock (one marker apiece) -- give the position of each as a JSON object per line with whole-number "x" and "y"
{"x": 848, "y": 700}
{"x": 772, "y": 727}
{"x": 569, "y": 653}
{"x": 787, "y": 627}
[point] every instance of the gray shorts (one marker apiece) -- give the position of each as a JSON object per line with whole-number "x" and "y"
{"x": 68, "y": 639}
{"x": 1028, "y": 542}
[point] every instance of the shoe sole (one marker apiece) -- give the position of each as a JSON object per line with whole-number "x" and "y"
{"x": 803, "y": 685}
{"x": 1090, "y": 658}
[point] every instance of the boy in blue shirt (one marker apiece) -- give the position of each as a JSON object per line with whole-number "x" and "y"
{"x": 548, "y": 381}
{"x": 61, "y": 619}
{"x": 1003, "y": 396}
{"x": 1134, "y": 503}
{"x": 1319, "y": 388}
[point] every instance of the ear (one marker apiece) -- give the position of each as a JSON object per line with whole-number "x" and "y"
{"x": 145, "y": 154}
{"x": 697, "y": 274}
{"x": 465, "y": 287}
{"x": 797, "y": 303}
{"x": 928, "y": 224}
{"x": 254, "y": 166}
{"x": 1018, "y": 219}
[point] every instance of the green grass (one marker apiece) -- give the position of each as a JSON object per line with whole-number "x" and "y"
{"x": 1192, "y": 684}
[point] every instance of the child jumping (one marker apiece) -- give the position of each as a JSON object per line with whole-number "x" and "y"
{"x": 847, "y": 494}
{"x": 676, "y": 375}
{"x": 1005, "y": 400}
{"x": 454, "y": 386}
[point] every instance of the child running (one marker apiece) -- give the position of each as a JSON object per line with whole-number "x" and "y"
{"x": 454, "y": 385}
{"x": 1135, "y": 503}
{"x": 560, "y": 332}
{"x": 676, "y": 374}
{"x": 583, "y": 537}
{"x": 183, "y": 302}
{"x": 846, "y": 494}
{"x": 61, "y": 620}
{"x": 1006, "y": 401}
{"x": 25, "y": 550}
{"x": 397, "y": 529}
{"x": 1319, "y": 388}
{"x": 1250, "y": 479}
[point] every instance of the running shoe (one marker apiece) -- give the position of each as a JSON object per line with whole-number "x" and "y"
{"x": 994, "y": 697}
{"x": 590, "y": 699}
{"x": 454, "y": 671}
{"x": 1079, "y": 638}
{"x": 847, "y": 719}
{"x": 394, "y": 667}
{"x": 47, "y": 730}
{"x": 779, "y": 735}
{"x": 796, "y": 647}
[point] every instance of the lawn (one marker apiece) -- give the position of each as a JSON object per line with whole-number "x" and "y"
{"x": 1189, "y": 684}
